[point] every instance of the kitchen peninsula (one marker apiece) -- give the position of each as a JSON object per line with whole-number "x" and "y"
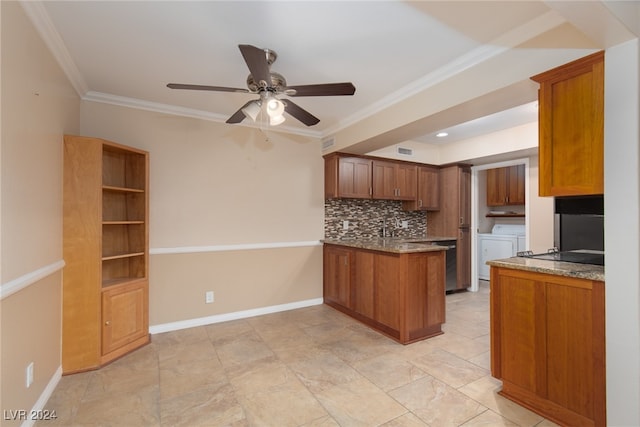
{"x": 396, "y": 286}
{"x": 548, "y": 337}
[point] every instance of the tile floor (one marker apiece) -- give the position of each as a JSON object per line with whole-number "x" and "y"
{"x": 307, "y": 367}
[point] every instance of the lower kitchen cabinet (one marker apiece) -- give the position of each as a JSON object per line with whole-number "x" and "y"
{"x": 547, "y": 344}
{"x": 400, "y": 295}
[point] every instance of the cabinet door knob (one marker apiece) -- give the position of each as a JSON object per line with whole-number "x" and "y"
{"x": 108, "y": 322}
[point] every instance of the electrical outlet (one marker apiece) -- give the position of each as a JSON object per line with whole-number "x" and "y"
{"x": 208, "y": 297}
{"x": 345, "y": 225}
{"x": 405, "y": 224}
{"x": 29, "y": 375}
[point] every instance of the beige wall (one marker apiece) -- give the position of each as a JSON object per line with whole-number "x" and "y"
{"x": 38, "y": 106}
{"x": 214, "y": 187}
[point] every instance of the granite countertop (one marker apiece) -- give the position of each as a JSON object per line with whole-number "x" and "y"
{"x": 394, "y": 244}
{"x": 569, "y": 269}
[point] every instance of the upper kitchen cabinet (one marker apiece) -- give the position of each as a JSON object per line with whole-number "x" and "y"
{"x": 505, "y": 186}
{"x": 394, "y": 180}
{"x": 428, "y": 191}
{"x": 347, "y": 177}
{"x": 571, "y": 128}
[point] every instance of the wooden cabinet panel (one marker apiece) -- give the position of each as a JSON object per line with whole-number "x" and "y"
{"x": 362, "y": 292}
{"x": 571, "y": 128}
{"x": 505, "y": 186}
{"x": 387, "y": 292}
{"x": 337, "y": 275}
{"x": 463, "y": 259}
{"x": 348, "y": 177}
{"x": 428, "y": 190}
{"x": 547, "y": 344}
{"x": 394, "y": 180}
{"x": 124, "y": 317}
{"x": 384, "y": 180}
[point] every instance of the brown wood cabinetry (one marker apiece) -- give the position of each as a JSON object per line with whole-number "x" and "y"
{"x": 571, "y": 128}
{"x": 505, "y": 186}
{"x": 394, "y": 180}
{"x": 547, "y": 344}
{"x": 454, "y": 217}
{"x": 105, "y": 246}
{"x": 428, "y": 191}
{"x": 347, "y": 176}
{"x": 400, "y": 295}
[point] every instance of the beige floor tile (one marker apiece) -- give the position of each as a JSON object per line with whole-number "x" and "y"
{"x": 389, "y": 371}
{"x": 406, "y": 420}
{"x": 211, "y": 406}
{"x": 488, "y": 419}
{"x": 287, "y": 404}
{"x": 178, "y": 354}
{"x": 436, "y": 403}
{"x": 194, "y": 375}
{"x": 183, "y": 336}
{"x": 483, "y": 360}
{"x": 244, "y": 348}
{"x": 250, "y": 378}
{"x": 359, "y": 403}
{"x": 134, "y": 408}
{"x": 225, "y": 330}
{"x": 485, "y": 389}
{"x": 322, "y": 370}
{"x": 449, "y": 368}
{"x": 463, "y": 347}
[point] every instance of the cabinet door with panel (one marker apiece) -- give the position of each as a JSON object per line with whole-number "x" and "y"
{"x": 571, "y": 128}
{"x": 505, "y": 186}
{"x": 347, "y": 176}
{"x": 394, "y": 180}
{"x": 337, "y": 275}
{"x": 125, "y": 318}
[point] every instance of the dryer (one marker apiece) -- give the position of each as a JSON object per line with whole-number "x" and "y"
{"x": 504, "y": 241}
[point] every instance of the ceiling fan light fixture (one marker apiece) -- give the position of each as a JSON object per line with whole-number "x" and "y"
{"x": 276, "y": 120}
{"x": 252, "y": 110}
{"x": 275, "y": 107}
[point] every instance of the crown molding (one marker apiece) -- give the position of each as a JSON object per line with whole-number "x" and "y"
{"x": 123, "y": 101}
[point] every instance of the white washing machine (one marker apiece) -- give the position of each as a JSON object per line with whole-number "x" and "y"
{"x": 504, "y": 241}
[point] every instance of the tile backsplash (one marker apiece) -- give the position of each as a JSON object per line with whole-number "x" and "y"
{"x": 366, "y": 217}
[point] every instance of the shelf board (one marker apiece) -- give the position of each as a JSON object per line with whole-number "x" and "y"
{"x": 121, "y": 222}
{"x": 120, "y": 256}
{"x": 121, "y": 189}
{"x": 513, "y": 215}
{"x": 120, "y": 281}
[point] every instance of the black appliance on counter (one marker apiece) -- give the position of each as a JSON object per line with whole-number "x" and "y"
{"x": 578, "y": 231}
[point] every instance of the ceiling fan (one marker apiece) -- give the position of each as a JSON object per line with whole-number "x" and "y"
{"x": 268, "y": 85}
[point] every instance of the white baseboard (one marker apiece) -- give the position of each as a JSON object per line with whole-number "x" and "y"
{"x": 44, "y": 397}
{"x": 184, "y": 324}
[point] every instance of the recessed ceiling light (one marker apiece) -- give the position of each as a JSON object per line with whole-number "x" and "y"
{"x": 442, "y": 134}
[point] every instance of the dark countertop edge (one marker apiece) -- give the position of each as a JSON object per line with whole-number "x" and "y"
{"x": 558, "y": 268}
{"x": 391, "y": 245}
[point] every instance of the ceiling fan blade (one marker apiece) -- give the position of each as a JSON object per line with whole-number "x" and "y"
{"x": 327, "y": 89}
{"x": 257, "y": 62}
{"x": 238, "y": 116}
{"x": 299, "y": 113}
{"x": 201, "y": 87}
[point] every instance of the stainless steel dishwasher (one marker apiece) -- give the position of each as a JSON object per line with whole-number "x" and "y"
{"x": 451, "y": 276}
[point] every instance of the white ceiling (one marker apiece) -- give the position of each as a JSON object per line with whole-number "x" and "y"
{"x": 125, "y": 52}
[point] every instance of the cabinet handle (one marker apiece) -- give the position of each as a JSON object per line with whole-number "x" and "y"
{"x": 370, "y": 191}
{"x": 108, "y": 322}
{"x": 461, "y": 220}
{"x": 419, "y": 203}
